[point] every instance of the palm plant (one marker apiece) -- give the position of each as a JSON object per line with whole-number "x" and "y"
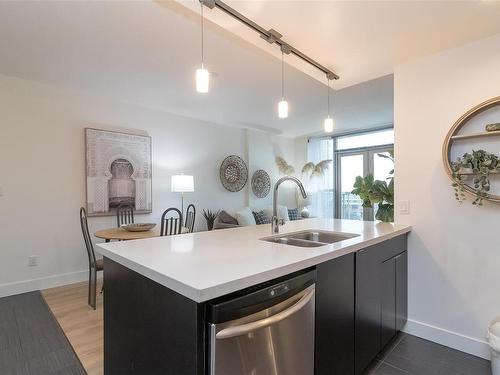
{"x": 312, "y": 170}
{"x": 284, "y": 167}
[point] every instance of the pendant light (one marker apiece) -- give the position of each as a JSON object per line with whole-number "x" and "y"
{"x": 283, "y": 104}
{"x": 202, "y": 75}
{"x": 328, "y": 124}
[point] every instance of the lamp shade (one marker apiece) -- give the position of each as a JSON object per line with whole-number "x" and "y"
{"x": 182, "y": 184}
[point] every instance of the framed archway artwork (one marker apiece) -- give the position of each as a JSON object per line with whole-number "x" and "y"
{"x": 118, "y": 171}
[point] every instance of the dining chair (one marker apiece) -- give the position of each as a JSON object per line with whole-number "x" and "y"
{"x": 171, "y": 222}
{"x": 95, "y": 265}
{"x": 124, "y": 215}
{"x": 190, "y": 217}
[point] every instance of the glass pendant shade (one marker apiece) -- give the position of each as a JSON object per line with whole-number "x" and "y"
{"x": 328, "y": 125}
{"x": 283, "y": 109}
{"x": 202, "y": 80}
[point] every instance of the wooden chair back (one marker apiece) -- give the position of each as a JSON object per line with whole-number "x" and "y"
{"x": 124, "y": 215}
{"x": 171, "y": 222}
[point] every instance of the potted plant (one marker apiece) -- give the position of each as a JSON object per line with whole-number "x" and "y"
{"x": 210, "y": 217}
{"x": 380, "y": 193}
{"x": 479, "y": 165}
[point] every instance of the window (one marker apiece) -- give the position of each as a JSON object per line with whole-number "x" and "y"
{"x": 353, "y": 155}
{"x": 363, "y": 140}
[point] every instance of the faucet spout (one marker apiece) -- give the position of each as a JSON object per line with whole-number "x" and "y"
{"x": 275, "y": 221}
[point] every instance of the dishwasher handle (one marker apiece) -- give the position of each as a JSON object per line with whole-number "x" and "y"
{"x": 249, "y": 327}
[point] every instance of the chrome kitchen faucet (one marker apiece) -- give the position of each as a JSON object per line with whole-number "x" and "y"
{"x": 275, "y": 220}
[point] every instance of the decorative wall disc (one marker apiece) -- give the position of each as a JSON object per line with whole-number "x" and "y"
{"x": 233, "y": 173}
{"x": 261, "y": 183}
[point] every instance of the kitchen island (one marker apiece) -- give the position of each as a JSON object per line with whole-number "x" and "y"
{"x": 158, "y": 292}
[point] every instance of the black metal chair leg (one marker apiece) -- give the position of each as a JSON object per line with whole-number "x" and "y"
{"x": 93, "y": 288}
{"x": 90, "y": 286}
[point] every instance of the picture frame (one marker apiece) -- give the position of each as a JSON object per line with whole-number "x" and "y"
{"x": 118, "y": 169}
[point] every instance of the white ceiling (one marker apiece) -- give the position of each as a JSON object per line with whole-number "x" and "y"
{"x": 362, "y": 40}
{"x": 146, "y": 53}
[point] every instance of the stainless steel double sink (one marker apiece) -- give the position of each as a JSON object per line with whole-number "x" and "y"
{"x": 310, "y": 238}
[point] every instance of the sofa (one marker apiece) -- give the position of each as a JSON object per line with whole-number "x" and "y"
{"x": 247, "y": 216}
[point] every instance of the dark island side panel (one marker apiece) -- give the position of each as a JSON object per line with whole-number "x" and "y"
{"x": 149, "y": 329}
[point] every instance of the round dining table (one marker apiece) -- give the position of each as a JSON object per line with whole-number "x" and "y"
{"x": 119, "y": 234}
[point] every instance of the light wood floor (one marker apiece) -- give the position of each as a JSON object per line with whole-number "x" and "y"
{"x": 82, "y": 325}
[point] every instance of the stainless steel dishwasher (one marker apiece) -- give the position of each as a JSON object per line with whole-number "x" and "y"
{"x": 264, "y": 330}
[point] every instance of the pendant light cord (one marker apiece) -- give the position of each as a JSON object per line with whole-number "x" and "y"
{"x": 328, "y": 98}
{"x": 202, "y": 37}
{"x": 282, "y": 76}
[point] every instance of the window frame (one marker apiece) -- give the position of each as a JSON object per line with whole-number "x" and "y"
{"x": 368, "y": 167}
{"x": 368, "y": 164}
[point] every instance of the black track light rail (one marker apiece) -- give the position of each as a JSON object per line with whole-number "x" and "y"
{"x": 271, "y": 36}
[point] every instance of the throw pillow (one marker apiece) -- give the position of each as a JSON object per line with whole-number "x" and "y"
{"x": 261, "y": 218}
{"x": 224, "y": 217}
{"x": 293, "y": 214}
{"x": 245, "y": 217}
{"x": 282, "y": 212}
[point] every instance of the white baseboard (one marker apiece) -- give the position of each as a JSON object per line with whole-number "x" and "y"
{"x": 24, "y": 286}
{"x": 451, "y": 339}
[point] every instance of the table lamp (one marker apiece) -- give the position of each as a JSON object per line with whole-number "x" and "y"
{"x": 182, "y": 184}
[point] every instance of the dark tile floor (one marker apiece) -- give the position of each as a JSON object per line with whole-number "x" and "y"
{"x": 408, "y": 354}
{"x": 31, "y": 341}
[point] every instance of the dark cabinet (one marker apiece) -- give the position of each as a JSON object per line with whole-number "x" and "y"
{"x": 334, "y": 326}
{"x": 387, "y": 301}
{"x": 381, "y": 298}
{"x": 367, "y": 322}
{"x": 401, "y": 290}
{"x": 394, "y": 296}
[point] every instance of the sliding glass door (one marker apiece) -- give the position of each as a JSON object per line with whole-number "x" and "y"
{"x": 351, "y": 164}
{"x": 353, "y": 155}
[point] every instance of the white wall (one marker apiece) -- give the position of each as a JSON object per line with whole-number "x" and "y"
{"x": 42, "y": 164}
{"x": 454, "y": 250}
{"x": 263, "y": 147}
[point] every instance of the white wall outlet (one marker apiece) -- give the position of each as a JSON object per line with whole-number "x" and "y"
{"x": 404, "y": 207}
{"x": 32, "y": 261}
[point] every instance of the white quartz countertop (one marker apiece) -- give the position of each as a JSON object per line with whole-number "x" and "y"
{"x": 206, "y": 265}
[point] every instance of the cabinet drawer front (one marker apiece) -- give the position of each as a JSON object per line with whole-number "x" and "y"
{"x": 387, "y": 249}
